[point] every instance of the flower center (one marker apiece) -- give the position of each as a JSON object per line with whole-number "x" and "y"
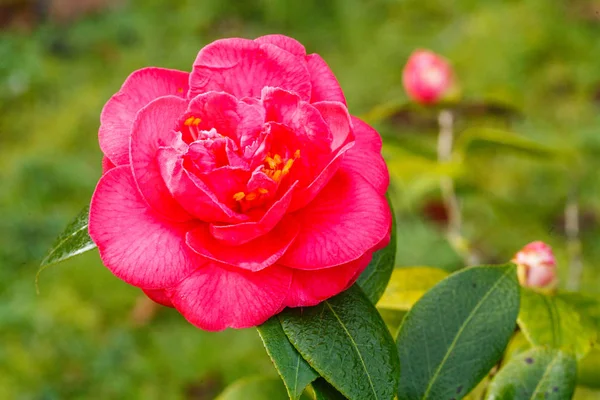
{"x": 275, "y": 168}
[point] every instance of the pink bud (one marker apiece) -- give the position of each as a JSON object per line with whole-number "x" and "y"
{"x": 427, "y": 77}
{"x": 536, "y": 265}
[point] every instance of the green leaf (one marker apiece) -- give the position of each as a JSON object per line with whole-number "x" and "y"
{"x": 294, "y": 371}
{"x": 376, "y": 276}
{"x": 588, "y": 373}
{"x": 256, "y": 388}
{"x": 456, "y": 332}
{"x": 549, "y": 320}
{"x": 540, "y": 373}
{"x": 407, "y": 285}
{"x": 324, "y": 391}
{"x": 74, "y": 240}
{"x": 498, "y": 140}
{"x": 345, "y": 340}
{"x": 585, "y": 305}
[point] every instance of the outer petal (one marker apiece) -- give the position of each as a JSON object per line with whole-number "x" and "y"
{"x": 366, "y": 136}
{"x": 312, "y": 287}
{"x": 306, "y": 195}
{"x": 107, "y": 165}
{"x": 152, "y": 129}
{"x": 324, "y": 84}
{"x": 135, "y": 243}
{"x": 237, "y": 234}
{"x": 346, "y": 220}
{"x": 243, "y": 67}
{"x": 140, "y": 88}
{"x": 159, "y": 296}
{"x": 253, "y": 256}
{"x": 336, "y": 116}
{"x": 217, "y": 297}
{"x": 283, "y": 42}
{"x": 365, "y": 157}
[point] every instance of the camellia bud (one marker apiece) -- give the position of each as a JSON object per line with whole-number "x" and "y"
{"x": 427, "y": 77}
{"x": 536, "y": 265}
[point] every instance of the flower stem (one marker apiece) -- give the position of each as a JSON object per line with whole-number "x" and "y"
{"x": 573, "y": 241}
{"x": 451, "y": 204}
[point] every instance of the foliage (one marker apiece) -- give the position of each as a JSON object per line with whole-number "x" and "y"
{"x": 529, "y": 75}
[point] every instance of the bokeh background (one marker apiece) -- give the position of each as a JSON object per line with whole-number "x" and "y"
{"x": 531, "y": 67}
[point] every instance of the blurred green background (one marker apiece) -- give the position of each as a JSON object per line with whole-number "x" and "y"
{"x": 531, "y": 67}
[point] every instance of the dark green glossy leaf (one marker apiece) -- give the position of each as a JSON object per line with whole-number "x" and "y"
{"x": 294, "y": 371}
{"x": 456, "y": 332}
{"x": 74, "y": 240}
{"x": 540, "y": 373}
{"x": 345, "y": 340}
{"x": 548, "y": 320}
{"x": 376, "y": 276}
{"x": 324, "y": 391}
{"x": 256, "y": 388}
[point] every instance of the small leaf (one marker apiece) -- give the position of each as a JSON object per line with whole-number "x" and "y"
{"x": 294, "y": 371}
{"x": 376, "y": 276}
{"x": 549, "y": 320}
{"x": 324, "y": 391}
{"x": 345, "y": 340}
{"x": 74, "y": 240}
{"x": 256, "y": 388}
{"x": 407, "y": 285}
{"x": 456, "y": 332}
{"x": 539, "y": 373}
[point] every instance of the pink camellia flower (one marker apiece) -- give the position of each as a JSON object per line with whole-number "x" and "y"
{"x": 536, "y": 265}
{"x": 240, "y": 188}
{"x": 427, "y": 77}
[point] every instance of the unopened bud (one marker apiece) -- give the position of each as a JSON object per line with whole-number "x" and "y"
{"x": 427, "y": 77}
{"x": 536, "y": 265}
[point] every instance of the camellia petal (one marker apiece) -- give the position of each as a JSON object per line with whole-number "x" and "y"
{"x": 312, "y": 287}
{"x": 159, "y": 296}
{"x": 338, "y": 119}
{"x": 244, "y": 67}
{"x": 342, "y": 223}
{"x": 254, "y": 255}
{"x": 193, "y": 194}
{"x": 135, "y": 242}
{"x": 107, "y": 165}
{"x": 151, "y": 130}
{"x": 325, "y": 86}
{"x": 216, "y": 296}
{"x": 236, "y": 234}
{"x": 140, "y": 88}
{"x": 283, "y": 42}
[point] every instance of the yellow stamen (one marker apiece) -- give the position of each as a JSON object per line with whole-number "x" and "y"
{"x": 196, "y": 121}
{"x": 251, "y": 196}
{"x": 180, "y": 90}
{"x": 189, "y": 121}
{"x": 277, "y": 175}
{"x": 262, "y": 191}
{"x": 297, "y": 154}
{"x": 271, "y": 162}
{"x": 287, "y": 167}
{"x": 277, "y": 159}
{"x": 239, "y": 196}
